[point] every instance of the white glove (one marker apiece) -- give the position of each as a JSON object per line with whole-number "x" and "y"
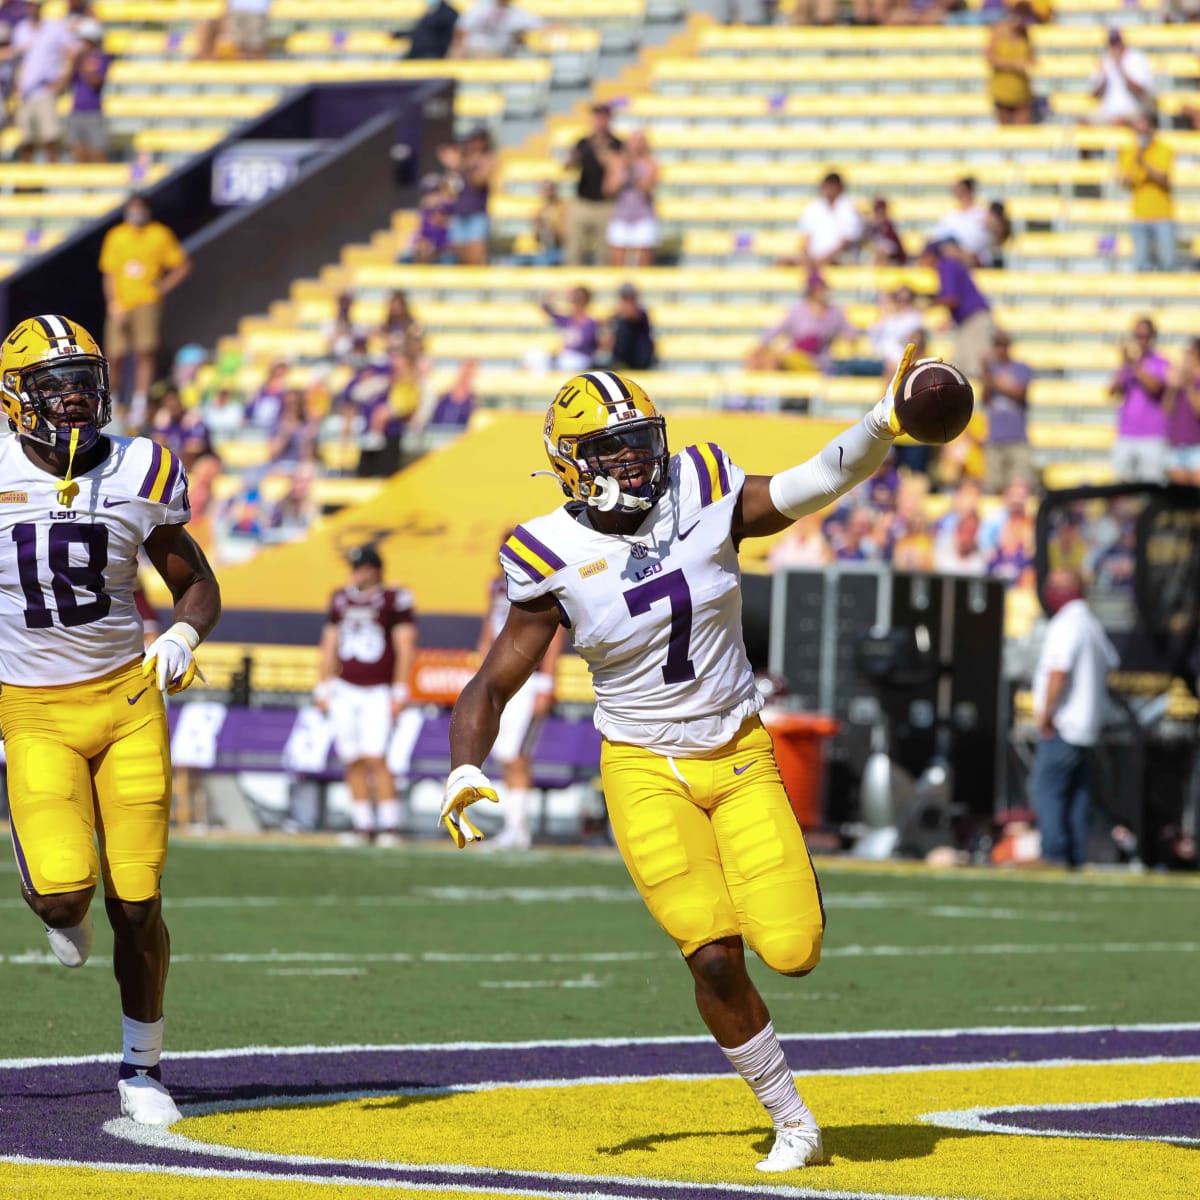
{"x": 464, "y": 785}
{"x": 884, "y": 412}
{"x": 169, "y": 658}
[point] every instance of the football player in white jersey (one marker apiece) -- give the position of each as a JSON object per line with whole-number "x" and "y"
{"x": 81, "y": 704}
{"x": 641, "y": 566}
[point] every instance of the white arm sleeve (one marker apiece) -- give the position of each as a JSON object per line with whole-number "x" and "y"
{"x": 854, "y": 455}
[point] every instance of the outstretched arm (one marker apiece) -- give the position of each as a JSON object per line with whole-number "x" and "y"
{"x": 769, "y": 503}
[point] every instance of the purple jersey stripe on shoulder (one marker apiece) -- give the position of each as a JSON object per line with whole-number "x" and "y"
{"x": 172, "y": 475}
{"x": 701, "y": 474}
{"x": 22, "y": 865}
{"x": 155, "y": 463}
{"x": 722, "y": 474}
{"x": 528, "y": 568}
{"x": 543, "y": 552}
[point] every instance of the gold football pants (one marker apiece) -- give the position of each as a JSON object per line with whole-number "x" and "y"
{"x": 89, "y": 761}
{"x": 714, "y": 848}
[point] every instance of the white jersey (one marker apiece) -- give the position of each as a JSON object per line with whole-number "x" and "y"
{"x": 67, "y": 573}
{"x": 656, "y": 615}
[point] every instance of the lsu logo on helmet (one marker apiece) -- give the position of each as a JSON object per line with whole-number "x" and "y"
{"x": 607, "y": 442}
{"x": 42, "y": 362}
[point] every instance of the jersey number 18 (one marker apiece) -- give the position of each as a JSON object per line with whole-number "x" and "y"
{"x": 66, "y": 575}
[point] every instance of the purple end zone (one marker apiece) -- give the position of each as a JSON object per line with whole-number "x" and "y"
{"x": 57, "y": 1112}
{"x": 1163, "y": 1121}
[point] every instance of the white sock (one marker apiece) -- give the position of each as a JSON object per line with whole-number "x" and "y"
{"x": 362, "y": 813}
{"x": 73, "y": 945}
{"x": 760, "y": 1062}
{"x": 515, "y": 809}
{"x": 390, "y": 813}
{"x": 141, "y": 1043}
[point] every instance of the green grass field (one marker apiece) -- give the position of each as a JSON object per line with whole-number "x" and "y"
{"x": 395, "y": 956}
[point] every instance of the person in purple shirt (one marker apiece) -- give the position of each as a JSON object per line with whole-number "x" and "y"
{"x": 87, "y": 70}
{"x": 970, "y": 313}
{"x": 1004, "y": 394}
{"x": 1183, "y": 418}
{"x": 473, "y": 164}
{"x": 1140, "y": 385}
{"x": 580, "y": 330}
{"x": 455, "y": 406}
{"x": 263, "y": 411}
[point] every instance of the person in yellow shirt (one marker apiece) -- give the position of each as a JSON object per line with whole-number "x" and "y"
{"x": 1011, "y": 57}
{"x": 141, "y": 260}
{"x": 1145, "y": 169}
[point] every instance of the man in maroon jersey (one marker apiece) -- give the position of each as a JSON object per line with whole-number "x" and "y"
{"x": 367, "y": 650}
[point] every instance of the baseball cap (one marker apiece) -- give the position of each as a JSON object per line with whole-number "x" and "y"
{"x": 365, "y": 556}
{"x": 90, "y": 30}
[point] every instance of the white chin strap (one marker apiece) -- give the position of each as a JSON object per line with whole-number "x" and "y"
{"x": 607, "y": 495}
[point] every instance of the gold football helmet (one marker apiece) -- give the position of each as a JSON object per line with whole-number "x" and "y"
{"x": 607, "y": 442}
{"x": 43, "y": 362}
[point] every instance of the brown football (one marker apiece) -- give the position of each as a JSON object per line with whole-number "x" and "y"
{"x": 935, "y": 403}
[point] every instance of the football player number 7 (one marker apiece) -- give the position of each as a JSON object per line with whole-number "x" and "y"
{"x": 67, "y": 576}
{"x": 673, "y": 588}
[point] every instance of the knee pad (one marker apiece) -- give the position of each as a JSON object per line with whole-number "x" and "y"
{"x": 791, "y": 951}
{"x": 66, "y": 869}
{"x": 133, "y": 882}
{"x": 656, "y": 851}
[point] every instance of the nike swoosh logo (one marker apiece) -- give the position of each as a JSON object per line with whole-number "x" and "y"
{"x": 739, "y": 770}
{"x": 136, "y": 698}
{"x": 113, "y": 503}
{"x": 684, "y": 534}
{"x": 841, "y": 455}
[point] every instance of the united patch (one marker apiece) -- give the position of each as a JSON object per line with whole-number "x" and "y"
{"x": 593, "y": 568}
{"x": 14, "y": 497}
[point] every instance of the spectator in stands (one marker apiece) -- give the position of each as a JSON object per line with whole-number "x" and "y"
{"x": 294, "y": 438}
{"x": 803, "y": 340}
{"x": 961, "y": 554}
{"x": 1140, "y": 385}
{"x": 400, "y": 327}
{"x": 629, "y": 336}
{"x": 1004, "y": 393}
{"x": 1011, "y": 57}
{"x": 898, "y": 324}
{"x": 342, "y": 333}
{"x": 43, "y": 48}
{"x": 1017, "y": 510}
{"x": 965, "y": 500}
{"x": 831, "y": 229}
{"x": 290, "y": 517}
{"x": 912, "y": 549}
{"x": 919, "y": 12}
{"x": 183, "y": 432}
{"x": 1008, "y": 538}
{"x": 8, "y": 72}
{"x": 1123, "y": 83}
{"x": 433, "y": 34}
{"x": 548, "y": 231}
{"x": 246, "y": 27}
{"x": 856, "y": 541}
{"x": 376, "y": 406}
{"x": 1069, "y": 694}
{"x": 262, "y": 413}
{"x": 630, "y": 178}
{"x": 141, "y": 261}
{"x": 222, "y": 413}
{"x": 999, "y": 229}
{"x": 580, "y": 334}
{"x": 455, "y": 405}
{"x": 1069, "y": 545}
{"x": 87, "y": 70}
{"x": 492, "y": 29}
{"x": 1144, "y": 167}
{"x": 970, "y": 312}
{"x": 431, "y": 242}
{"x": 1183, "y": 418}
{"x": 473, "y": 163}
{"x": 803, "y": 544}
{"x": 881, "y": 238}
{"x": 966, "y": 225}
{"x": 587, "y": 222}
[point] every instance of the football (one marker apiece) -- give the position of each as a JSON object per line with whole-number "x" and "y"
{"x": 935, "y": 403}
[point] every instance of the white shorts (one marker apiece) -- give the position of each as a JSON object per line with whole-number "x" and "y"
{"x": 361, "y": 718}
{"x": 633, "y": 235}
{"x": 515, "y": 724}
{"x": 1140, "y": 460}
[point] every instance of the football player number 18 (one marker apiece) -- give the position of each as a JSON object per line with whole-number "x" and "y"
{"x": 673, "y": 588}
{"x": 66, "y": 576}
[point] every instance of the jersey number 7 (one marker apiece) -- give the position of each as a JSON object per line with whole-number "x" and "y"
{"x": 673, "y": 588}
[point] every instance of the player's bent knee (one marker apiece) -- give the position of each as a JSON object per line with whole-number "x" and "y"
{"x": 62, "y": 911}
{"x": 791, "y": 952}
{"x": 135, "y": 883}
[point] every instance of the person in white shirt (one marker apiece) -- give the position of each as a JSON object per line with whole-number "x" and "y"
{"x": 899, "y": 322}
{"x": 1123, "y": 82}
{"x": 966, "y": 224}
{"x": 831, "y": 228}
{"x": 492, "y": 29}
{"x": 1069, "y": 690}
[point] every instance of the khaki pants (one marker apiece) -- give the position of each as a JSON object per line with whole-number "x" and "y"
{"x": 972, "y": 342}
{"x": 1004, "y": 462}
{"x": 136, "y": 330}
{"x": 587, "y": 229}
{"x": 38, "y": 122}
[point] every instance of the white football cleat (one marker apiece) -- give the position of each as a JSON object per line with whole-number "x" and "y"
{"x": 510, "y": 839}
{"x": 795, "y": 1147}
{"x": 72, "y": 946}
{"x": 146, "y": 1101}
{"x": 388, "y": 839}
